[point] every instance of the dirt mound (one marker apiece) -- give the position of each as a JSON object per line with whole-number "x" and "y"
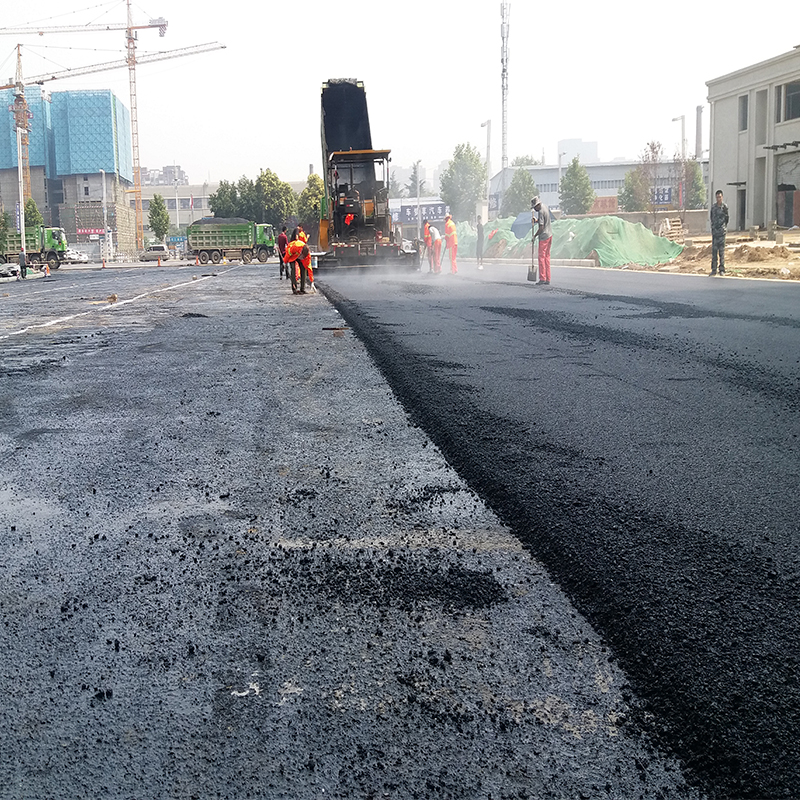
{"x": 695, "y": 253}
{"x": 749, "y": 254}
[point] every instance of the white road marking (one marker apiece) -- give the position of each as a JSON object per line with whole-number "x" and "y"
{"x": 110, "y": 307}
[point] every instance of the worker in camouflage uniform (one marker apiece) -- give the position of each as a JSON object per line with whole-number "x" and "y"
{"x": 719, "y": 227}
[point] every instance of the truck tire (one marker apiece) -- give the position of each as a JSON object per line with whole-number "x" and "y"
{"x": 52, "y": 261}
{"x": 262, "y": 255}
{"x": 215, "y": 257}
{"x": 247, "y": 256}
{"x": 204, "y": 257}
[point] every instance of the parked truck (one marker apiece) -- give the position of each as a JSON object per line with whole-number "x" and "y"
{"x": 214, "y": 238}
{"x": 355, "y": 219}
{"x": 41, "y": 244}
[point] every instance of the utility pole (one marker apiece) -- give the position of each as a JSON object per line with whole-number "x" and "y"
{"x": 419, "y": 221}
{"x": 105, "y": 217}
{"x": 488, "y": 126}
{"x": 505, "y": 11}
{"x": 560, "y": 156}
{"x": 682, "y": 186}
{"x": 177, "y": 206}
{"x": 20, "y": 177}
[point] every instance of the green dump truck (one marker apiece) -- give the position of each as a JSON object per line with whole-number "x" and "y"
{"x": 213, "y": 238}
{"x": 41, "y": 244}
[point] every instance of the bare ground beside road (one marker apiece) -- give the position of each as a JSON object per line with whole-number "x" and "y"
{"x": 231, "y": 566}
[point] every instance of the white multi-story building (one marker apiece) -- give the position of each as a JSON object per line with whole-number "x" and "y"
{"x": 755, "y": 141}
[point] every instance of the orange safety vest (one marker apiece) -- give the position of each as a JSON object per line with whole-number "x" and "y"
{"x": 303, "y": 236}
{"x": 427, "y": 234}
{"x": 294, "y": 252}
{"x": 450, "y": 233}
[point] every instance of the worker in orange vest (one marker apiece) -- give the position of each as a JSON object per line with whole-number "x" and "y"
{"x": 451, "y": 241}
{"x": 299, "y": 256}
{"x": 426, "y": 234}
{"x": 301, "y": 234}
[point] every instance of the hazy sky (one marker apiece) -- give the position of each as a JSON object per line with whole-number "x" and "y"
{"x": 614, "y": 72}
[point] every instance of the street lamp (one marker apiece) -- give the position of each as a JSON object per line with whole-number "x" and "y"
{"x": 105, "y": 218}
{"x": 560, "y": 156}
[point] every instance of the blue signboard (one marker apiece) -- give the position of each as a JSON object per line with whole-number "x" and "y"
{"x": 175, "y": 239}
{"x": 407, "y": 214}
{"x": 662, "y": 196}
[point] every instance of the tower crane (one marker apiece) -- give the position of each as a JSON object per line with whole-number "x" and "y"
{"x": 131, "y": 60}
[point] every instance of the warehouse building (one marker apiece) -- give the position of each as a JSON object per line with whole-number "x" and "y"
{"x": 79, "y": 155}
{"x": 755, "y": 141}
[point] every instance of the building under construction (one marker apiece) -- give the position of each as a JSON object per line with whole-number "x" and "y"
{"x": 79, "y": 153}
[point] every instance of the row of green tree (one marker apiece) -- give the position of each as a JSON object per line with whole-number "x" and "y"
{"x": 461, "y": 186}
{"x": 265, "y": 199}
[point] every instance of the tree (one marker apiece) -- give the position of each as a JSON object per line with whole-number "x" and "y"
{"x": 411, "y": 186}
{"x": 688, "y": 173}
{"x": 275, "y": 197}
{"x": 308, "y": 205}
{"x": 395, "y": 189}
{"x": 33, "y": 216}
{"x": 696, "y": 192}
{"x": 651, "y": 158}
{"x": 248, "y": 205}
{"x": 158, "y": 217}
{"x": 525, "y": 161}
{"x": 5, "y": 229}
{"x": 635, "y": 192}
{"x": 518, "y": 196}
{"x": 463, "y": 182}
{"x": 225, "y": 201}
{"x": 576, "y": 195}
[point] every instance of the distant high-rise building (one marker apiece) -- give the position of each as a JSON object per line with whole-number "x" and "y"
{"x": 79, "y": 140}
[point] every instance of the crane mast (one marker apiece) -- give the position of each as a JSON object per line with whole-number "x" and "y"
{"x": 137, "y": 171}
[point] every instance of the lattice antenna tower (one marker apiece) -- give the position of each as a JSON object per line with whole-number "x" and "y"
{"x": 505, "y": 13}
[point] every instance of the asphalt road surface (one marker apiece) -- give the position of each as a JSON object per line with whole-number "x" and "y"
{"x": 525, "y": 543}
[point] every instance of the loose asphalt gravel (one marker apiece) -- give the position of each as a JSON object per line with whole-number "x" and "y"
{"x": 234, "y": 565}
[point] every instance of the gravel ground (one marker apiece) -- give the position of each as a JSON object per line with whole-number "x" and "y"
{"x": 232, "y": 566}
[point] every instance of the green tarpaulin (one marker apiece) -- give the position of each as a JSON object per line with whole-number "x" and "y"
{"x": 614, "y": 241}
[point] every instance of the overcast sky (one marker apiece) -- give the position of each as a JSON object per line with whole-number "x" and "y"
{"x": 614, "y": 72}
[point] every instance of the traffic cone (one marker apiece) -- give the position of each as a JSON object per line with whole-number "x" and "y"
{"x": 46, "y": 270}
{"x": 159, "y": 261}
{"x": 197, "y": 261}
{"x": 104, "y": 264}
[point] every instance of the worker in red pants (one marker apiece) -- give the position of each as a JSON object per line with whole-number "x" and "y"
{"x": 451, "y": 241}
{"x": 436, "y": 241}
{"x": 426, "y": 235}
{"x": 545, "y": 235}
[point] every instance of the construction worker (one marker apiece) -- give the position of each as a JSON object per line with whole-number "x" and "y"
{"x": 283, "y": 241}
{"x": 451, "y": 241}
{"x": 298, "y": 260}
{"x": 302, "y": 234}
{"x": 23, "y": 264}
{"x": 545, "y": 236}
{"x": 436, "y": 241}
{"x": 426, "y": 235}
